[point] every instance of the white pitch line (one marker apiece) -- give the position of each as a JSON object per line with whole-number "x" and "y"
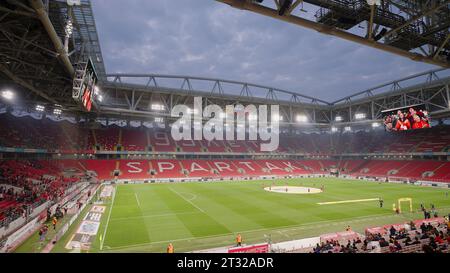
{"x": 348, "y": 201}
{"x": 137, "y": 200}
{"x": 107, "y": 220}
{"x": 187, "y": 200}
{"x": 287, "y": 228}
{"x": 152, "y": 216}
{"x": 311, "y": 225}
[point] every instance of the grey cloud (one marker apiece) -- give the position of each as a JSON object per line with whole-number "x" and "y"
{"x": 206, "y": 38}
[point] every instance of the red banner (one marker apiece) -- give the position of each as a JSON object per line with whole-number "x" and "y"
{"x": 339, "y": 236}
{"x": 250, "y": 249}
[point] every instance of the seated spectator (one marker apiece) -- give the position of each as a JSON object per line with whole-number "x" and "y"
{"x": 423, "y": 227}
{"x": 433, "y": 243}
{"x": 427, "y": 249}
{"x": 408, "y": 241}
{"x": 439, "y": 239}
{"x": 392, "y": 231}
{"x": 397, "y": 245}
{"x": 383, "y": 243}
{"x": 424, "y": 236}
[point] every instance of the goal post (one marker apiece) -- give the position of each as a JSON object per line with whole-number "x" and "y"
{"x": 402, "y": 200}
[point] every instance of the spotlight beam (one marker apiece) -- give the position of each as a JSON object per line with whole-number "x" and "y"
{"x": 25, "y": 84}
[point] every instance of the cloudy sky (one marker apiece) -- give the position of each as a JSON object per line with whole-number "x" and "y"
{"x": 209, "y": 39}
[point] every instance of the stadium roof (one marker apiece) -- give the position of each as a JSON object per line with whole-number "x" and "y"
{"x": 414, "y": 29}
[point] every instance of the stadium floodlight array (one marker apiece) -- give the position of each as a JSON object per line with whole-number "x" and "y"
{"x": 339, "y": 118}
{"x": 8, "y": 95}
{"x": 158, "y": 107}
{"x": 302, "y": 118}
{"x": 360, "y": 116}
{"x": 40, "y": 108}
{"x": 334, "y": 129}
{"x": 252, "y": 117}
{"x": 69, "y": 28}
{"x": 375, "y": 125}
{"x": 57, "y": 112}
{"x": 159, "y": 120}
{"x": 277, "y": 117}
{"x": 347, "y": 129}
{"x": 98, "y": 95}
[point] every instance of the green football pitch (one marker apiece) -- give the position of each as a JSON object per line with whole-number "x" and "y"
{"x": 195, "y": 216}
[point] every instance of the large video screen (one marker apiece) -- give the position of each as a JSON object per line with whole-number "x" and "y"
{"x": 88, "y": 87}
{"x": 84, "y": 86}
{"x": 408, "y": 118}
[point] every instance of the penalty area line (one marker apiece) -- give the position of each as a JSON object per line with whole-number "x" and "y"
{"x": 107, "y": 220}
{"x": 187, "y": 200}
{"x": 348, "y": 201}
{"x": 137, "y": 200}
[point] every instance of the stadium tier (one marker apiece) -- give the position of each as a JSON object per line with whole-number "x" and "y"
{"x": 112, "y": 169}
{"x": 68, "y": 152}
{"x": 25, "y": 185}
{"x": 66, "y": 137}
{"x": 170, "y": 168}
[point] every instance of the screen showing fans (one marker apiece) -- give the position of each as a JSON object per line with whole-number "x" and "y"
{"x": 404, "y": 119}
{"x": 88, "y": 87}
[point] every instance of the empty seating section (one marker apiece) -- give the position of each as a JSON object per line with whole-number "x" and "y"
{"x": 77, "y": 137}
{"x": 250, "y": 168}
{"x": 190, "y": 146}
{"x": 328, "y": 164}
{"x": 215, "y": 146}
{"x": 169, "y": 168}
{"x": 416, "y": 169}
{"x": 21, "y": 133}
{"x": 198, "y": 168}
{"x": 134, "y": 140}
{"x": 104, "y": 168}
{"x": 295, "y": 167}
{"x": 237, "y": 146}
{"x": 69, "y": 137}
{"x": 350, "y": 166}
{"x": 134, "y": 169}
{"x": 411, "y": 169}
{"x": 226, "y": 168}
{"x": 71, "y": 165}
{"x": 274, "y": 167}
{"x": 380, "y": 168}
{"x": 437, "y": 142}
{"x": 313, "y": 166}
{"x": 107, "y": 139}
{"x": 442, "y": 173}
{"x": 161, "y": 141}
